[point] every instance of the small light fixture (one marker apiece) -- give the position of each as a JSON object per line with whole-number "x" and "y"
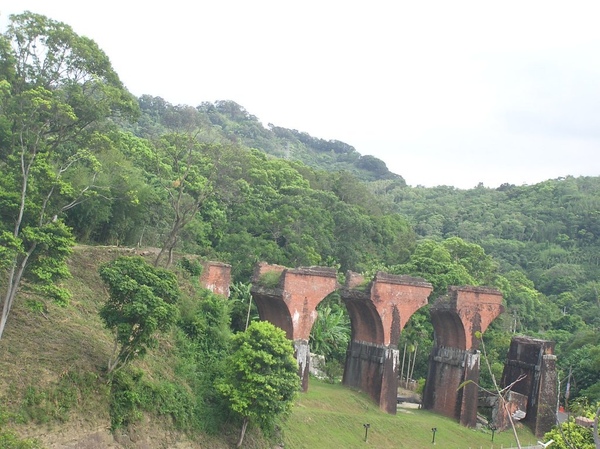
{"x": 366, "y": 426}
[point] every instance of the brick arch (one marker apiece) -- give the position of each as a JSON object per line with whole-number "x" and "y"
{"x": 277, "y": 313}
{"x": 457, "y": 319}
{"x": 365, "y": 321}
{"x": 291, "y": 304}
{"x": 267, "y": 300}
{"x": 379, "y": 310}
{"x": 449, "y": 329}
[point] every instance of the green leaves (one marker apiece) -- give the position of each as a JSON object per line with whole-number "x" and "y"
{"x": 9, "y": 247}
{"x": 141, "y": 303}
{"x": 331, "y": 332}
{"x": 571, "y": 435}
{"x": 434, "y": 261}
{"x": 180, "y": 170}
{"x": 261, "y": 380}
{"x": 58, "y": 89}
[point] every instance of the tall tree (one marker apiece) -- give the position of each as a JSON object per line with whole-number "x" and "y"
{"x": 57, "y": 91}
{"x": 261, "y": 377}
{"x": 181, "y": 169}
{"x": 141, "y": 302}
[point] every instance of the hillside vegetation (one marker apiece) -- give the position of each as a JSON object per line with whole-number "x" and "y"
{"x": 54, "y": 385}
{"x": 83, "y": 162}
{"x": 54, "y": 388}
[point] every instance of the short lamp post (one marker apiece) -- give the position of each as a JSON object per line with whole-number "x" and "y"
{"x": 493, "y": 429}
{"x": 366, "y": 426}
{"x": 433, "y": 431}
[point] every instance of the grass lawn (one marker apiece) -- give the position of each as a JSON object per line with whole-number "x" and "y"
{"x": 332, "y": 416}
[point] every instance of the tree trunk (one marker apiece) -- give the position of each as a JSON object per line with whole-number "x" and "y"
{"x": 14, "y": 280}
{"x": 171, "y": 249}
{"x": 402, "y": 381}
{"x": 412, "y": 370}
{"x": 408, "y": 369}
{"x": 596, "y": 437}
{"x": 169, "y": 243}
{"x": 243, "y": 432}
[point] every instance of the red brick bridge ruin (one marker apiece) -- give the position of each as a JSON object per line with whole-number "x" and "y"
{"x": 379, "y": 308}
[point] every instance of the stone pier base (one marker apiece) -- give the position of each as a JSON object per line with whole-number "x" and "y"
{"x": 374, "y": 369}
{"x": 452, "y": 384}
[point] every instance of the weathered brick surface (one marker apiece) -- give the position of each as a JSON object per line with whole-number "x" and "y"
{"x": 263, "y": 268}
{"x": 457, "y": 317}
{"x": 396, "y": 299}
{"x": 501, "y": 411}
{"x": 373, "y": 368}
{"x": 303, "y": 290}
{"x": 533, "y": 360}
{"x": 378, "y": 312}
{"x": 463, "y": 312}
{"x": 448, "y": 369}
{"x": 297, "y": 295}
{"x": 216, "y": 277}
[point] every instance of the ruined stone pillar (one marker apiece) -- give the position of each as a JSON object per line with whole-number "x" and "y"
{"x": 545, "y": 412}
{"x": 533, "y": 361}
{"x": 291, "y": 304}
{"x": 448, "y": 369}
{"x": 216, "y": 277}
{"x": 455, "y": 358}
{"x": 378, "y": 312}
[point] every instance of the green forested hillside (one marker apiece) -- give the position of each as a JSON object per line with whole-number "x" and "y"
{"x": 227, "y": 121}
{"x": 83, "y": 161}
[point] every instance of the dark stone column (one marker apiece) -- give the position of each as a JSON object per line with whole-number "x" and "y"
{"x": 446, "y": 373}
{"x": 533, "y": 362}
{"x": 544, "y": 410}
{"x": 374, "y": 369}
{"x": 470, "y": 390}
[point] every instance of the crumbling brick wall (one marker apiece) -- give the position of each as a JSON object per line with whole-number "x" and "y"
{"x": 216, "y": 277}
{"x": 291, "y": 305}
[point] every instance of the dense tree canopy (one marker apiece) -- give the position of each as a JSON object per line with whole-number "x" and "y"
{"x": 77, "y": 163}
{"x": 141, "y": 303}
{"x": 261, "y": 379}
{"x": 57, "y": 92}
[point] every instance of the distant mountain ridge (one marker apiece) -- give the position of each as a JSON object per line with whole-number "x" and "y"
{"x": 229, "y": 121}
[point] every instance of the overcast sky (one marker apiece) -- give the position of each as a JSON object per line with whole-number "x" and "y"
{"x": 446, "y": 92}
